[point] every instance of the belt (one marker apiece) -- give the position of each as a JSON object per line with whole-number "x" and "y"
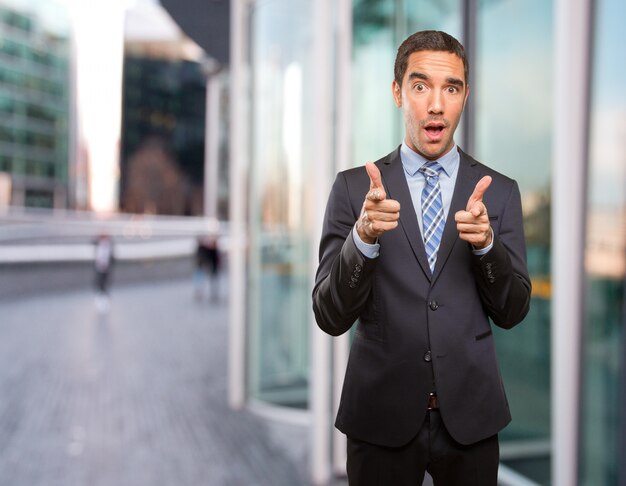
{"x": 433, "y": 402}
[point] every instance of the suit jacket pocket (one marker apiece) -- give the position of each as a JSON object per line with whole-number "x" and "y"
{"x": 369, "y": 330}
{"x": 484, "y": 335}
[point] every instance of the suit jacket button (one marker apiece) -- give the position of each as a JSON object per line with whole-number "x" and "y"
{"x": 428, "y": 356}
{"x": 433, "y": 305}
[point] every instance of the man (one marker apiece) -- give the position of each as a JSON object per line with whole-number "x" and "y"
{"x": 423, "y": 247}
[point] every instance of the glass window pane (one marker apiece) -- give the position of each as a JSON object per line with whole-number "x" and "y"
{"x": 279, "y": 291}
{"x": 374, "y": 50}
{"x": 513, "y": 96}
{"x": 605, "y": 255}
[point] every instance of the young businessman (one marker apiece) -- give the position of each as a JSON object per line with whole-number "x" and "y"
{"x": 422, "y": 248}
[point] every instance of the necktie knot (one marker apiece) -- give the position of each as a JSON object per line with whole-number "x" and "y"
{"x": 431, "y": 172}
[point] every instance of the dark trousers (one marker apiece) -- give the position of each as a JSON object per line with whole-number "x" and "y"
{"x": 102, "y": 282}
{"x": 432, "y": 450}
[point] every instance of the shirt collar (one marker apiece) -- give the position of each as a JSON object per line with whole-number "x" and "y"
{"x": 412, "y": 161}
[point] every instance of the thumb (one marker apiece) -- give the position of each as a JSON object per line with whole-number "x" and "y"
{"x": 374, "y": 173}
{"x": 479, "y": 192}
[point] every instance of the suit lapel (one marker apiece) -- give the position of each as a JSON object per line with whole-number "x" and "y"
{"x": 466, "y": 180}
{"x": 397, "y": 188}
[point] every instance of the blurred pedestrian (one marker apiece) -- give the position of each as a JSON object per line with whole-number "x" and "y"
{"x": 207, "y": 268}
{"x": 213, "y": 266}
{"x": 103, "y": 265}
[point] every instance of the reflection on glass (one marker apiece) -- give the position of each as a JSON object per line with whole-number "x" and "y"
{"x": 279, "y": 297}
{"x": 605, "y": 256}
{"x": 513, "y": 100}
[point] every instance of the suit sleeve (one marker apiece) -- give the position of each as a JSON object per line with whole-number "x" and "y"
{"x": 343, "y": 281}
{"x": 502, "y": 274}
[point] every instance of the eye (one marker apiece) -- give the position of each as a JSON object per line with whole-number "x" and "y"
{"x": 419, "y": 87}
{"x": 452, "y": 89}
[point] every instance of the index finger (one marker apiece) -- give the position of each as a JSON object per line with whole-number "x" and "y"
{"x": 377, "y": 191}
{"x": 479, "y": 192}
{"x": 374, "y": 174}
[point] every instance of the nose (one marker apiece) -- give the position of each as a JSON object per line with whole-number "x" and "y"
{"x": 435, "y": 103}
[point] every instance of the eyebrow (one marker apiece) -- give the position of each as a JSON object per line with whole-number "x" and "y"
{"x": 426, "y": 77}
{"x": 455, "y": 81}
{"x": 418, "y": 75}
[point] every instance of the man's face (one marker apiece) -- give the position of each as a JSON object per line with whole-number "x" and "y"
{"x": 432, "y": 98}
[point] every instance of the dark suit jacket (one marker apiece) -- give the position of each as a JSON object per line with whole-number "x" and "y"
{"x": 403, "y": 311}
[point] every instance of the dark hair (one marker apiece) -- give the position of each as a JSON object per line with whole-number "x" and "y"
{"x": 427, "y": 40}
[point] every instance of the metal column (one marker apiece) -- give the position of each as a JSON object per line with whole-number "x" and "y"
{"x": 238, "y": 149}
{"x": 322, "y": 133}
{"x": 571, "y": 78}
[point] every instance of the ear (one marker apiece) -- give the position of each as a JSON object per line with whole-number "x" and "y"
{"x": 467, "y": 92}
{"x": 396, "y": 90}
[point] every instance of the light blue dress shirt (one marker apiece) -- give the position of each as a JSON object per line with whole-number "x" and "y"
{"x": 411, "y": 162}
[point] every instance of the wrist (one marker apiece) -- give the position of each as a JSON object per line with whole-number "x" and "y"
{"x": 488, "y": 241}
{"x": 365, "y": 238}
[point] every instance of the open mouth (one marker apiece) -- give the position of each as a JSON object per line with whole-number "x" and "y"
{"x": 434, "y": 130}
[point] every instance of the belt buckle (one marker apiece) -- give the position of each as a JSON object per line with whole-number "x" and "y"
{"x": 433, "y": 403}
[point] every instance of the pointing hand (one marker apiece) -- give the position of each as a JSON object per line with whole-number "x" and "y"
{"x": 473, "y": 223}
{"x": 379, "y": 214}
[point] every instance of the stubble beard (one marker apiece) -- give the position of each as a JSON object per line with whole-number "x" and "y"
{"x": 413, "y": 129}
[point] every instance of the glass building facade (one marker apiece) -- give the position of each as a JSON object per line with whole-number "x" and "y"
{"x": 35, "y": 101}
{"x": 513, "y": 134}
{"x": 509, "y": 126}
{"x": 603, "y": 417}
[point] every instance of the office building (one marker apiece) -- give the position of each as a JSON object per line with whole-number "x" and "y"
{"x": 35, "y": 102}
{"x": 162, "y": 159}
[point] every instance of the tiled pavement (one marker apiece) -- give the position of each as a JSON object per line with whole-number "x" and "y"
{"x": 133, "y": 398}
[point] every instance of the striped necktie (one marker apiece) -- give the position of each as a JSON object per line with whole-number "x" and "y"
{"x": 432, "y": 211}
